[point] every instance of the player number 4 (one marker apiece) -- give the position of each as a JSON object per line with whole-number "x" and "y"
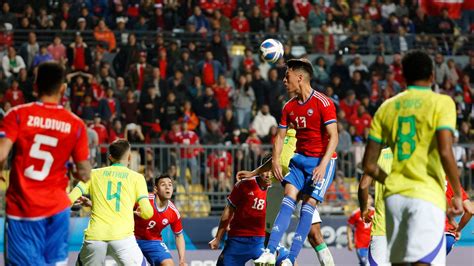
{"x": 116, "y": 195}
{"x": 258, "y": 204}
{"x": 46, "y": 157}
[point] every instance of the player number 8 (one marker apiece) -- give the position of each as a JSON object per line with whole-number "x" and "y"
{"x": 258, "y": 204}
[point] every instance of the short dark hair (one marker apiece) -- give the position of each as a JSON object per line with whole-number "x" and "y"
{"x": 50, "y": 78}
{"x": 417, "y": 65}
{"x": 157, "y": 180}
{"x": 301, "y": 64}
{"x": 118, "y": 148}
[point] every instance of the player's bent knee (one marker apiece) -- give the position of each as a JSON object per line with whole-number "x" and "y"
{"x": 315, "y": 237}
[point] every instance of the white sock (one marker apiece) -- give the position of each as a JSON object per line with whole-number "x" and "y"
{"x": 324, "y": 255}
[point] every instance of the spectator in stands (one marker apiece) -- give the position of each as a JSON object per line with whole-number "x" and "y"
{"x": 365, "y": 25}
{"x": 276, "y": 93}
{"x": 177, "y": 85}
{"x": 275, "y": 21}
{"x": 338, "y": 86}
{"x": 354, "y": 44}
{"x": 133, "y": 133}
{"x": 109, "y": 106}
{"x": 379, "y": 43}
{"x": 170, "y": 111}
{"x": 213, "y": 134}
{"x": 104, "y": 35}
{"x": 7, "y": 16}
{"x": 392, "y": 24}
{"x": 42, "y": 56}
{"x": 189, "y": 116}
{"x": 244, "y": 97}
{"x": 396, "y": 68}
{"x": 345, "y": 141}
{"x": 220, "y": 22}
{"x": 468, "y": 94}
{"x": 26, "y": 85}
{"x": 358, "y": 85}
{"x": 256, "y": 20}
{"x": 375, "y": 88}
{"x": 402, "y": 9}
{"x": 360, "y": 120}
{"x": 240, "y": 23}
{"x": 441, "y": 70}
{"x": 260, "y": 87}
{"x": 298, "y": 28}
{"x": 138, "y": 73}
{"x": 79, "y": 56}
{"x": 445, "y": 24}
{"x": 379, "y": 66}
{"x": 465, "y": 133}
{"x": 391, "y": 85}
{"x": 104, "y": 77}
{"x": 219, "y": 171}
{"x": 222, "y": 92}
{"x": 469, "y": 68}
{"x": 402, "y": 42}
{"x": 329, "y": 91}
{"x": 320, "y": 70}
{"x": 340, "y": 69}
{"x": 188, "y": 156}
{"x": 93, "y": 143}
{"x": 337, "y": 192}
{"x": 149, "y": 106}
{"x": 358, "y": 65}
{"x": 199, "y": 20}
{"x": 228, "y": 124}
{"x": 186, "y": 65}
{"x": 29, "y": 49}
{"x": 263, "y": 121}
{"x": 102, "y": 133}
{"x": 210, "y": 69}
{"x": 454, "y": 72}
{"x": 423, "y": 23}
{"x": 387, "y": 8}
{"x": 349, "y": 104}
{"x": 127, "y": 55}
{"x": 43, "y": 20}
{"x": 373, "y": 9}
{"x": 117, "y": 131}
{"x": 14, "y": 95}
{"x": 57, "y": 50}
{"x": 130, "y": 109}
{"x": 12, "y": 63}
{"x": 207, "y": 108}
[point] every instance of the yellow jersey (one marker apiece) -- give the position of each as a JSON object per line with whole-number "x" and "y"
{"x": 113, "y": 190}
{"x": 378, "y": 224}
{"x": 407, "y": 123}
{"x": 288, "y": 150}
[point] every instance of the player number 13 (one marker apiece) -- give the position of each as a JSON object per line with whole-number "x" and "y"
{"x": 300, "y": 122}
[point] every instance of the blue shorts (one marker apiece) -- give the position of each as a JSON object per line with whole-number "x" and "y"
{"x": 38, "y": 242}
{"x": 301, "y": 175}
{"x": 238, "y": 250}
{"x": 154, "y": 251}
{"x": 450, "y": 241}
{"x": 362, "y": 255}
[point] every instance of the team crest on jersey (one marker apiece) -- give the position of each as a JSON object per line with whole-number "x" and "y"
{"x": 165, "y": 221}
{"x": 310, "y": 112}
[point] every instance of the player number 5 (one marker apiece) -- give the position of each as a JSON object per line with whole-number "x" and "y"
{"x": 37, "y": 153}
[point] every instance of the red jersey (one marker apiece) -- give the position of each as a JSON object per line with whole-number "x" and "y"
{"x": 361, "y": 123}
{"x": 309, "y": 120}
{"x": 250, "y": 203}
{"x": 14, "y": 97}
{"x": 361, "y": 229}
{"x": 45, "y": 136}
{"x": 151, "y": 229}
{"x": 449, "y": 196}
{"x": 102, "y": 134}
{"x": 188, "y": 138}
{"x": 219, "y": 163}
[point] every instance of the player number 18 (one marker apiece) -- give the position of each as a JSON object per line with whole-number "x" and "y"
{"x": 258, "y": 204}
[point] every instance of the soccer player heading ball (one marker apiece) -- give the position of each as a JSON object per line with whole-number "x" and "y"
{"x": 312, "y": 167}
{"x": 418, "y": 126}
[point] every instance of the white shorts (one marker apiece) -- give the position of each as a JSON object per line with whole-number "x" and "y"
{"x": 415, "y": 231}
{"x": 378, "y": 251}
{"x": 124, "y": 252}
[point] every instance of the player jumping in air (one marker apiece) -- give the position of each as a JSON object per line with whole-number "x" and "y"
{"x": 453, "y": 232}
{"x": 418, "y": 126}
{"x": 148, "y": 232}
{"x": 45, "y": 137}
{"x": 378, "y": 242}
{"x": 358, "y": 232}
{"x": 114, "y": 190}
{"x": 275, "y": 194}
{"x": 311, "y": 168}
{"x": 245, "y": 213}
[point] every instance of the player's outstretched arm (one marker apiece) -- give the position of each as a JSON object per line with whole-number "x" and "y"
{"x": 265, "y": 167}
{"x": 181, "y": 247}
{"x": 445, "y": 149}
{"x": 350, "y": 243}
{"x": 363, "y": 196}
{"x": 277, "y": 148}
{"x": 372, "y": 153}
{"x": 83, "y": 172}
{"x": 223, "y": 224}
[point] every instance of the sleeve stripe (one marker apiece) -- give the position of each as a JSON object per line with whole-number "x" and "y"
{"x": 330, "y": 121}
{"x": 81, "y": 189}
{"x": 375, "y": 139}
{"x": 445, "y": 128}
{"x": 282, "y": 126}
{"x": 142, "y": 197}
{"x": 230, "y": 202}
{"x": 178, "y": 233}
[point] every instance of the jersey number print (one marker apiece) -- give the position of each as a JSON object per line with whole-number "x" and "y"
{"x": 37, "y": 153}
{"x": 406, "y": 131}
{"x": 116, "y": 195}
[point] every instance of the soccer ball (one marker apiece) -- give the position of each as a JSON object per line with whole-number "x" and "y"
{"x": 271, "y": 50}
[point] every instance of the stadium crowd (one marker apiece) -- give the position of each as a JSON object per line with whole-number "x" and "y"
{"x": 187, "y": 90}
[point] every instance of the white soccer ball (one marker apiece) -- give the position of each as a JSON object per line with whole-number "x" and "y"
{"x": 271, "y": 50}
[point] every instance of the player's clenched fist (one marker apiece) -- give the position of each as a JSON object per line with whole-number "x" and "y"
{"x": 214, "y": 243}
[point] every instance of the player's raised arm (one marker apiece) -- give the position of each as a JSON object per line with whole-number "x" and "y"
{"x": 265, "y": 167}
{"x": 226, "y": 216}
{"x": 277, "y": 148}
